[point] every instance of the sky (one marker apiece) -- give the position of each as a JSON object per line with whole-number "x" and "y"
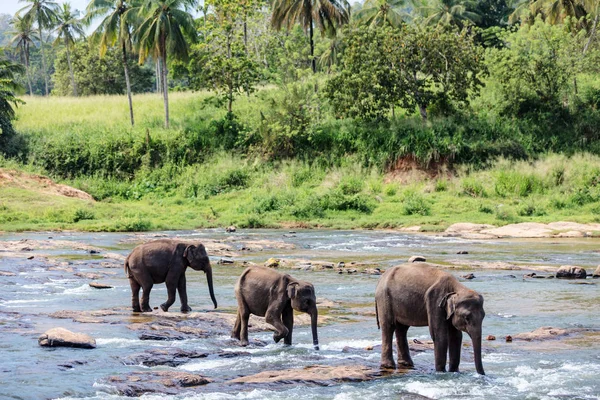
{"x": 12, "y": 6}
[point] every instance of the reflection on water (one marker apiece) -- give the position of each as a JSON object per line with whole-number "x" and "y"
{"x": 513, "y": 305}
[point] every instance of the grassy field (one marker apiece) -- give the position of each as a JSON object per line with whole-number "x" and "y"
{"x": 221, "y": 188}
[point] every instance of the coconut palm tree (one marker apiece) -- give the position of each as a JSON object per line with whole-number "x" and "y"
{"x": 23, "y": 36}
{"x": 113, "y": 30}
{"x": 43, "y": 13}
{"x": 164, "y": 30}
{"x": 68, "y": 28}
{"x": 9, "y": 87}
{"x": 379, "y": 12}
{"x": 326, "y": 15}
{"x": 451, "y": 12}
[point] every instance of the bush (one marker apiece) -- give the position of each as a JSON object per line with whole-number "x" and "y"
{"x": 472, "y": 187}
{"x": 518, "y": 184}
{"x": 350, "y": 185}
{"x": 415, "y": 203}
{"x": 82, "y": 214}
{"x": 530, "y": 209}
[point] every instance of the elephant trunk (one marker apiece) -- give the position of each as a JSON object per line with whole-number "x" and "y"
{"x": 476, "y": 339}
{"x": 209, "y": 278}
{"x": 313, "y": 324}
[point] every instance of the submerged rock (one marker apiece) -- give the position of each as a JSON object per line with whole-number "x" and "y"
{"x": 97, "y": 285}
{"x": 164, "y": 382}
{"x": 571, "y": 272}
{"x": 272, "y": 263}
{"x": 469, "y": 276}
{"x": 230, "y": 229}
{"x": 60, "y": 337}
{"x": 317, "y": 375}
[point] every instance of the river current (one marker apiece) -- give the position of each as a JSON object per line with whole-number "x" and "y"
{"x": 563, "y": 368}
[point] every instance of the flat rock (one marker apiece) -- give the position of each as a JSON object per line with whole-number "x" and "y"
{"x": 317, "y": 375}
{"x": 559, "y": 229}
{"x": 164, "y": 382}
{"x": 89, "y": 275}
{"x": 7, "y": 273}
{"x": 548, "y": 332}
{"x": 60, "y": 337}
{"x": 97, "y": 285}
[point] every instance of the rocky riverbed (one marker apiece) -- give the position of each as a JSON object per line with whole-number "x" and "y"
{"x": 542, "y": 338}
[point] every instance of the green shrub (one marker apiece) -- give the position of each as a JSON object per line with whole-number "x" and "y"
{"x": 514, "y": 183}
{"x": 390, "y": 189}
{"x": 83, "y": 214}
{"x": 441, "y": 185}
{"x": 415, "y": 203}
{"x": 484, "y": 208}
{"x": 350, "y": 185}
{"x": 505, "y": 214}
{"x": 558, "y": 203}
{"x": 472, "y": 187}
{"x": 530, "y": 209}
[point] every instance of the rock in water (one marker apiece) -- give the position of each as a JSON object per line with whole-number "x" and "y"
{"x": 417, "y": 259}
{"x": 596, "y": 273}
{"x": 60, "y": 337}
{"x": 97, "y": 285}
{"x": 272, "y": 263}
{"x": 230, "y": 229}
{"x": 469, "y": 276}
{"x": 571, "y": 272}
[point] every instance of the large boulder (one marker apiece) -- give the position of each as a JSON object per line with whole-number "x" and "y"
{"x": 315, "y": 374}
{"x": 571, "y": 272}
{"x": 60, "y": 337}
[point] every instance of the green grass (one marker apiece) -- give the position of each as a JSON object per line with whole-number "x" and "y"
{"x": 149, "y": 178}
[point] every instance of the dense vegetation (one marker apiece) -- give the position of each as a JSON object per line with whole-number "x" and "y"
{"x": 307, "y": 115}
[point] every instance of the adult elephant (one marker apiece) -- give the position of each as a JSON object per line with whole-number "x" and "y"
{"x": 419, "y": 294}
{"x": 165, "y": 261}
{"x": 267, "y": 293}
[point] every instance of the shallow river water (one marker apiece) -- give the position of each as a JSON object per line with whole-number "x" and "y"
{"x": 565, "y": 368}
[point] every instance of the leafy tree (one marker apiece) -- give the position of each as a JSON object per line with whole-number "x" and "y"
{"x": 97, "y": 75}
{"x": 535, "y": 68}
{"x": 410, "y": 67}
{"x": 165, "y": 29}
{"x": 9, "y": 87}
{"x": 113, "y": 30}
{"x": 221, "y": 62}
{"x": 68, "y": 27}
{"x": 449, "y": 12}
{"x": 491, "y": 13}
{"x": 23, "y": 37}
{"x": 377, "y": 12}
{"x": 327, "y": 15}
{"x": 43, "y": 13}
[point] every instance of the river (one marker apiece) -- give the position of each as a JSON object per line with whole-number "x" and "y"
{"x": 33, "y": 289}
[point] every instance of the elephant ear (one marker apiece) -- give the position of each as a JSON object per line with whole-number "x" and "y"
{"x": 449, "y": 304}
{"x": 291, "y": 289}
{"x": 187, "y": 249}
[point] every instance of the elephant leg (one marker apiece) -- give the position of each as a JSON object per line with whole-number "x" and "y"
{"x": 387, "y": 352}
{"x": 171, "y": 289}
{"x": 440, "y": 347}
{"x": 135, "y": 295}
{"x": 402, "y": 343}
{"x": 454, "y": 347}
{"x": 288, "y": 321}
{"x": 235, "y": 333}
{"x": 241, "y": 324}
{"x": 273, "y": 317}
{"x": 146, "y": 297}
{"x": 182, "y": 289}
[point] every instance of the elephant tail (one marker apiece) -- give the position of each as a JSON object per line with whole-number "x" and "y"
{"x": 377, "y": 316}
{"x": 127, "y": 272}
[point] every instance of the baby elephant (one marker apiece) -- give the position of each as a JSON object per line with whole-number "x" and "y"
{"x": 419, "y": 294}
{"x": 165, "y": 261}
{"x": 267, "y": 293}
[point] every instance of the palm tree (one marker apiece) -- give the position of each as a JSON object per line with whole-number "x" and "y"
{"x": 8, "y": 90}
{"x": 68, "y": 27}
{"x": 377, "y": 12}
{"x": 451, "y": 12}
{"x": 23, "y": 37}
{"x": 163, "y": 30}
{"x": 42, "y": 12}
{"x": 325, "y": 14}
{"x": 113, "y": 29}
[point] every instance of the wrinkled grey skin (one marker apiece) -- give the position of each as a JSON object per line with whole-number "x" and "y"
{"x": 267, "y": 293}
{"x": 165, "y": 261}
{"x": 419, "y": 294}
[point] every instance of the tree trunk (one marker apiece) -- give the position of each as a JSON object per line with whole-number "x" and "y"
{"x": 230, "y": 101}
{"x": 158, "y": 74}
{"x": 313, "y": 61}
{"x": 27, "y": 70}
{"x": 592, "y": 33}
{"x": 71, "y": 69}
{"x": 245, "y": 33}
{"x": 128, "y": 84}
{"x": 423, "y": 111}
{"x": 44, "y": 70}
{"x": 165, "y": 88}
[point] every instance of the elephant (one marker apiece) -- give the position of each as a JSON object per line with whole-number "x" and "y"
{"x": 165, "y": 261}
{"x": 267, "y": 293}
{"x": 422, "y": 295}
